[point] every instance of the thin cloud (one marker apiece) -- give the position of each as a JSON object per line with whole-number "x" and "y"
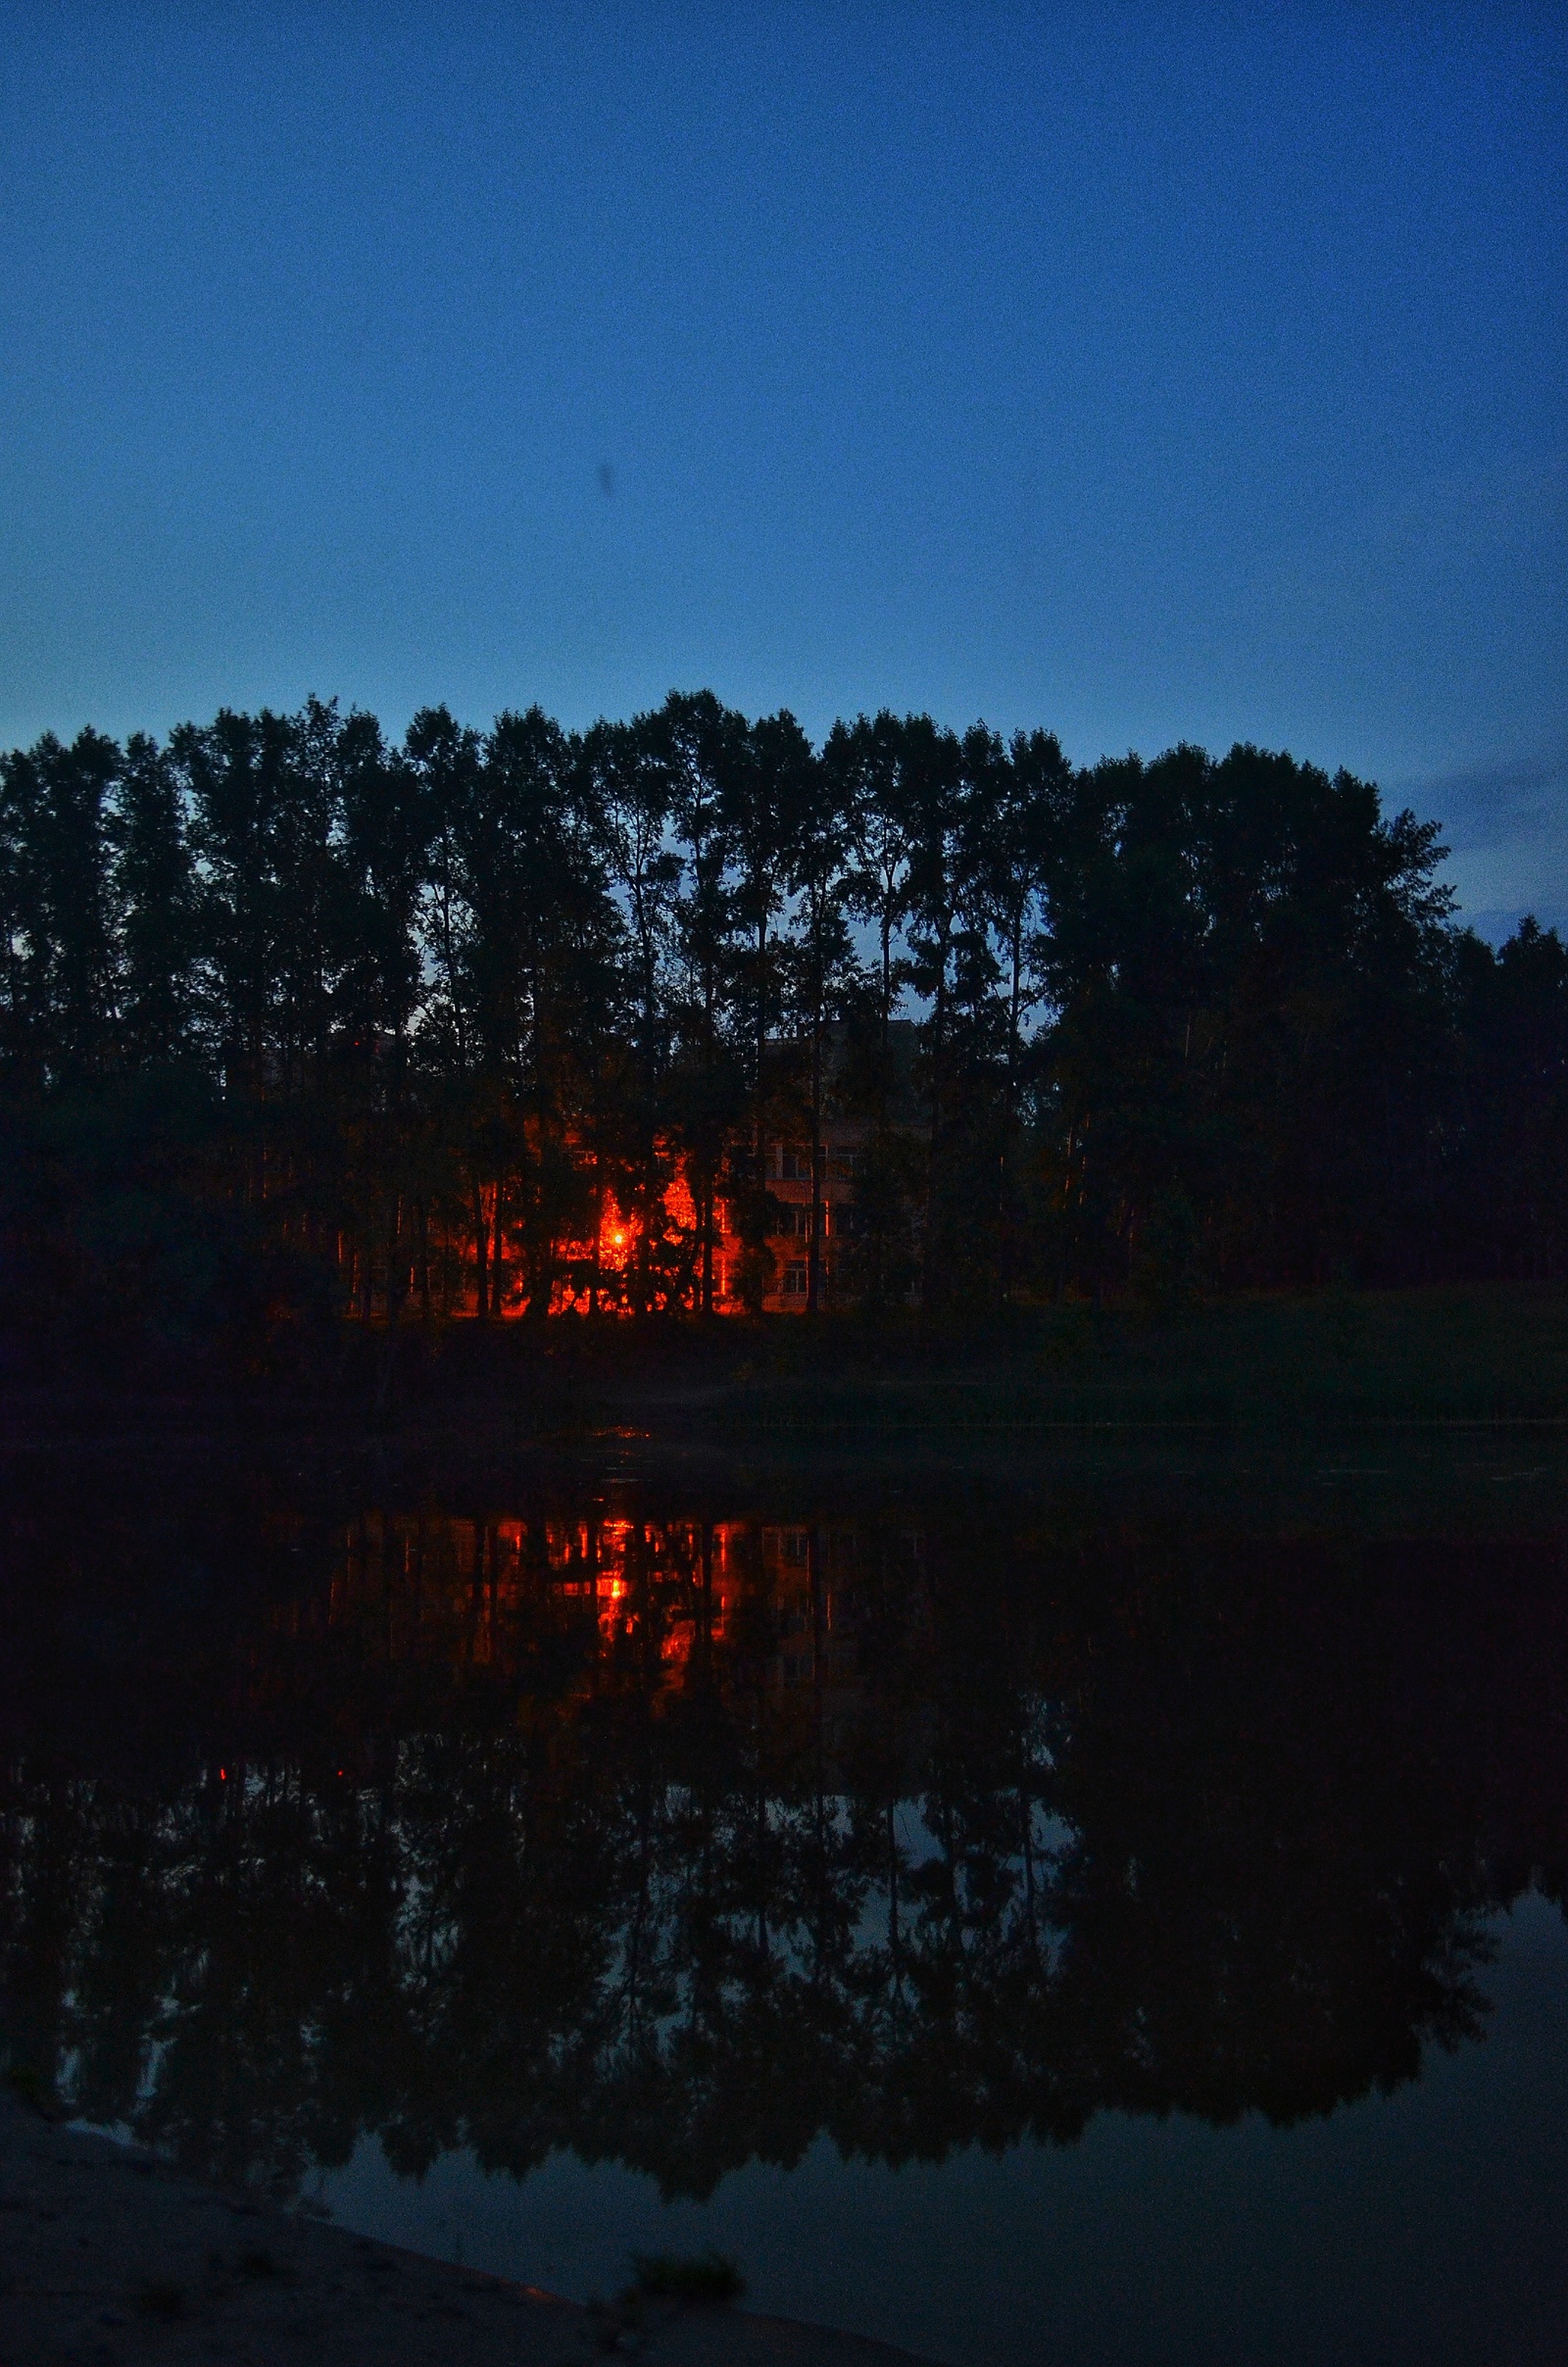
{"x": 1497, "y": 922}
{"x": 1481, "y": 807}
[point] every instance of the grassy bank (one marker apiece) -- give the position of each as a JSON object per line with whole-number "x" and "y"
{"x": 1456, "y": 1354}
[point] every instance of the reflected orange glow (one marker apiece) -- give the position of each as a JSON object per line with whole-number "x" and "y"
{"x": 676, "y": 1650}
{"x": 429, "y": 1586}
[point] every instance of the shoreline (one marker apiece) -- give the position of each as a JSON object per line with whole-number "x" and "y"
{"x": 1441, "y": 1356}
{"x": 111, "y": 2257}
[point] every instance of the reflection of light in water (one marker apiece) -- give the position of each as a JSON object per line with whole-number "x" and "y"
{"x": 659, "y": 1855}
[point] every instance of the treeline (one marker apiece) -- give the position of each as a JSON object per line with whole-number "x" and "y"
{"x": 291, "y": 1013}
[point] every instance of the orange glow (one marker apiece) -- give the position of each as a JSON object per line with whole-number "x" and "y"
{"x": 615, "y": 1230}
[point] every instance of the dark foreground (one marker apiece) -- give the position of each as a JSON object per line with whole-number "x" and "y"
{"x": 108, "y": 2255}
{"x": 1298, "y": 1366}
{"x": 1091, "y": 1901}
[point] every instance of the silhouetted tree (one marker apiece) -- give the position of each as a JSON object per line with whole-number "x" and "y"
{"x": 155, "y": 906}
{"x": 1181, "y": 1024}
{"x": 821, "y": 970}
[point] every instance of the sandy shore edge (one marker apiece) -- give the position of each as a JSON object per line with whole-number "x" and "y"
{"x": 109, "y": 2257}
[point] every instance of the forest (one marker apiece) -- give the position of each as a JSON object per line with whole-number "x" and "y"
{"x": 297, "y": 1023}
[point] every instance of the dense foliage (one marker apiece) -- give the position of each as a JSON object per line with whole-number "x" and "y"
{"x": 291, "y": 1016}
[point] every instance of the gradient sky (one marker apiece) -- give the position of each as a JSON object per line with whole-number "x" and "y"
{"x": 1149, "y": 373}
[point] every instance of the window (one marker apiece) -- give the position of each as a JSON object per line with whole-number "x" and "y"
{"x": 796, "y": 1163}
{"x": 795, "y": 1281}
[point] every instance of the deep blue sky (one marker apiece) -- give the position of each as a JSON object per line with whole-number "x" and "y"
{"x": 1151, "y": 374}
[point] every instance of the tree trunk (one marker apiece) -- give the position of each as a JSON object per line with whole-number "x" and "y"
{"x": 482, "y": 1256}
{"x": 422, "y": 1219}
{"x": 1009, "y": 1097}
{"x": 705, "y": 1219}
{"x": 599, "y": 1227}
{"x": 641, "y": 1264}
{"x": 938, "y": 1015}
{"x": 756, "y": 1227}
{"x": 497, "y": 1270}
{"x": 396, "y": 1269}
{"x": 814, "y": 1251}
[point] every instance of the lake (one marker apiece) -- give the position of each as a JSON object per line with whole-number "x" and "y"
{"x": 1102, "y": 1907}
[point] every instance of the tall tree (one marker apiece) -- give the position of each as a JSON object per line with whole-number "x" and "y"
{"x": 155, "y": 905}
{"x": 1510, "y": 1187}
{"x": 863, "y": 761}
{"x": 545, "y": 954}
{"x": 766, "y": 794}
{"x": 931, "y": 789}
{"x": 627, "y": 799}
{"x": 231, "y": 775}
{"x": 446, "y": 759}
{"x": 823, "y": 970}
{"x": 1017, "y": 822}
{"x": 55, "y": 864}
{"x": 702, "y": 747}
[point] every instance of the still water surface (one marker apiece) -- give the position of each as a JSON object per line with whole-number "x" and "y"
{"x": 1101, "y": 1921}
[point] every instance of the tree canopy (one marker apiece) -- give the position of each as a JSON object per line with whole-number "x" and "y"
{"x": 407, "y": 1026}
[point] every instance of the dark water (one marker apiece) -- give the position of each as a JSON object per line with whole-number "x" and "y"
{"x": 1116, "y": 1917}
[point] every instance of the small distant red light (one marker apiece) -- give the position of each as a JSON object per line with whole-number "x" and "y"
{"x": 222, "y": 1775}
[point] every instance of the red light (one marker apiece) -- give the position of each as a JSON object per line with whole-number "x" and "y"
{"x": 222, "y": 1775}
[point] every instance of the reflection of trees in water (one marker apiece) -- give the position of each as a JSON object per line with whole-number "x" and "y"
{"x": 677, "y": 1842}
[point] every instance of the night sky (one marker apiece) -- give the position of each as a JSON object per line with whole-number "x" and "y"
{"x": 1147, "y": 374}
